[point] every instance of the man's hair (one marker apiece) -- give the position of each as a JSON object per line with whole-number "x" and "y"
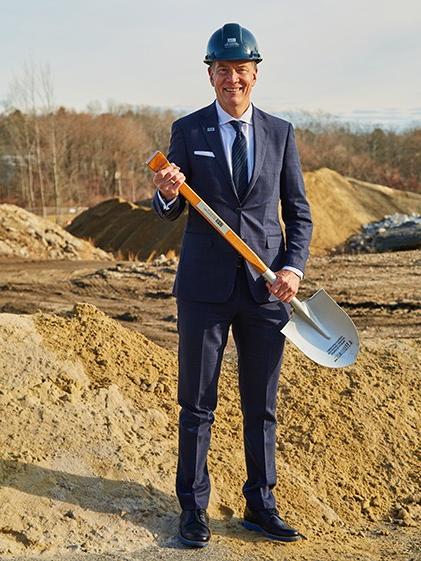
{"x": 239, "y": 61}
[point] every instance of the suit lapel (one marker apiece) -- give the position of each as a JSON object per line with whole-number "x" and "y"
{"x": 212, "y": 134}
{"x": 260, "y": 144}
{"x": 210, "y": 125}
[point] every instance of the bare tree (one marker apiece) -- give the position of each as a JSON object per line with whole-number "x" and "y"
{"x": 49, "y": 109}
{"x": 24, "y": 102}
{"x": 21, "y": 129}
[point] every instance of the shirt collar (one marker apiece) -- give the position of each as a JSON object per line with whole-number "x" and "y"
{"x": 224, "y": 117}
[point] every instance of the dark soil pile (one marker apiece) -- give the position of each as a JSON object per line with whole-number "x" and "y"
{"x": 129, "y": 230}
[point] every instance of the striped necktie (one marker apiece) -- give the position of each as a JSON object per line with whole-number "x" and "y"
{"x": 239, "y": 160}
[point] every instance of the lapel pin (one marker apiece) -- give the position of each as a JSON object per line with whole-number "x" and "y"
{"x": 210, "y": 129}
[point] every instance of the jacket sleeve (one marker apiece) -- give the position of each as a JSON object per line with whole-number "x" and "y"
{"x": 295, "y": 207}
{"x": 178, "y": 155}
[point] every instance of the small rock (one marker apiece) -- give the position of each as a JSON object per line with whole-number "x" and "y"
{"x": 171, "y": 318}
{"x": 365, "y": 505}
{"x": 74, "y": 546}
{"x": 401, "y": 513}
{"x": 157, "y": 418}
{"x": 70, "y": 514}
{"x": 152, "y": 386}
{"x": 127, "y": 316}
{"x": 408, "y": 521}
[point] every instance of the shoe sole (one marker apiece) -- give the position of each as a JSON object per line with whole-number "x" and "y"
{"x": 256, "y": 528}
{"x": 192, "y": 543}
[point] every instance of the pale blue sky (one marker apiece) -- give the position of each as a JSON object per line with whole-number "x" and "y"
{"x": 358, "y": 59}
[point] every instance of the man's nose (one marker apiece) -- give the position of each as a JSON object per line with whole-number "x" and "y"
{"x": 233, "y": 76}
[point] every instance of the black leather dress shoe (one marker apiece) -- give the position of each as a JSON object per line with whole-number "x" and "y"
{"x": 271, "y": 524}
{"x": 194, "y": 528}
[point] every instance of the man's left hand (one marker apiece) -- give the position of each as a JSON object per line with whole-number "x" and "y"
{"x": 286, "y": 285}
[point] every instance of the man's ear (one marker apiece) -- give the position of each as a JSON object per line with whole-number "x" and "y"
{"x": 210, "y": 73}
{"x": 255, "y": 74}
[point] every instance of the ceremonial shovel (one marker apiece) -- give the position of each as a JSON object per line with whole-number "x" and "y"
{"x": 318, "y": 326}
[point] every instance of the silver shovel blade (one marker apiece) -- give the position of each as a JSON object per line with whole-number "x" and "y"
{"x": 338, "y": 346}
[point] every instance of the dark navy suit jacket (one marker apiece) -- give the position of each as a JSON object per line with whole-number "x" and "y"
{"x": 208, "y": 264}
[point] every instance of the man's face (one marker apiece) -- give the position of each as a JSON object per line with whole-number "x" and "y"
{"x": 233, "y": 82}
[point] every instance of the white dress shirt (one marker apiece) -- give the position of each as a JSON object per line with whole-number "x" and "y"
{"x": 228, "y": 136}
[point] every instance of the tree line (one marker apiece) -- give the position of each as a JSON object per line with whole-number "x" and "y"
{"x": 69, "y": 158}
{"x": 55, "y": 157}
{"x": 387, "y": 157}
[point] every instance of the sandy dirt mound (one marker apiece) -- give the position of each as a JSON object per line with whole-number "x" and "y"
{"x": 25, "y": 235}
{"x": 88, "y": 453}
{"x": 340, "y": 206}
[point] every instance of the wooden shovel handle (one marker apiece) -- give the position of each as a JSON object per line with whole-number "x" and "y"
{"x": 157, "y": 162}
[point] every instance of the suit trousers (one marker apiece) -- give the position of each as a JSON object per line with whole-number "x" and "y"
{"x": 203, "y": 332}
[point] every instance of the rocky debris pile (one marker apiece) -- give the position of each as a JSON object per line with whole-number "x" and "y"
{"x": 88, "y": 453}
{"x": 25, "y": 235}
{"x": 130, "y": 230}
{"x": 394, "y": 232}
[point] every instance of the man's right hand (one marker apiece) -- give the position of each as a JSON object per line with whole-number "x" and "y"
{"x": 169, "y": 180}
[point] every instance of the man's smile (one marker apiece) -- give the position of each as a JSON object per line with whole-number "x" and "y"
{"x": 233, "y": 82}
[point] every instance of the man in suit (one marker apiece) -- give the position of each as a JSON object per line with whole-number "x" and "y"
{"x": 242, "y": 162}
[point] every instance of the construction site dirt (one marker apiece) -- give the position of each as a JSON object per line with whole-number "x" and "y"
{"x": 380, "y": 291}
{"x": 347, "y": 438}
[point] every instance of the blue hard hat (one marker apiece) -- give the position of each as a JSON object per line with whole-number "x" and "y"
{"x": 232, "y": 42}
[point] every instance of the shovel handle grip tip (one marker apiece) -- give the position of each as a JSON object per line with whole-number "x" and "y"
{"x": 157, "y": 161}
